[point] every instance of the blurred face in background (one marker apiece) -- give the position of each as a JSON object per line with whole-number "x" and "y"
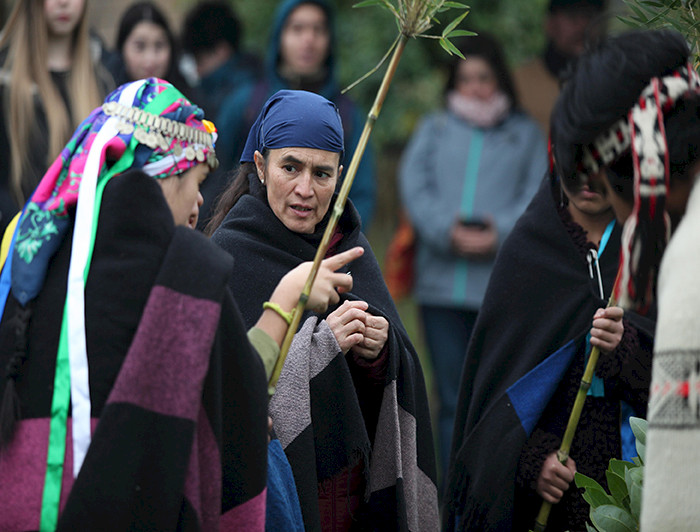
{"x": 146, "y": 51}
{"x": 62, "y": 16}
{"x": 475, "y": 79}
{"x": 569, "y": 29}
{"x": 305, "y": 40}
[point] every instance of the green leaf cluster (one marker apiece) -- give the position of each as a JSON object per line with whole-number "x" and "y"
{"x": 681, "y": 15}
{"x": 619, "y": 509}
{"x": 413, "y": 19}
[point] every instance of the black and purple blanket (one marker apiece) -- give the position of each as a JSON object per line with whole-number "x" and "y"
{"x": 178, "y": 394}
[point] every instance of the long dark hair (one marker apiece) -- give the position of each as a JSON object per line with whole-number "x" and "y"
{"x": 209, "y": 23}
{"x": 149, "y": 12}
{"x": 489, "y": 49}
{"x": 238, "y": 188}
{"x": 10, "y": 405}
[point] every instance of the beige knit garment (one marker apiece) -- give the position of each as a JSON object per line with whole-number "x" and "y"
{"x": 671, "y": 499}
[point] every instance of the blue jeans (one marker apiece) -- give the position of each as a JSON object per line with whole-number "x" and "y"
{"x": 447, "y": 332}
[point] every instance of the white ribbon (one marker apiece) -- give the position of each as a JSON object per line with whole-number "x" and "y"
{"x": 75, "y": 298}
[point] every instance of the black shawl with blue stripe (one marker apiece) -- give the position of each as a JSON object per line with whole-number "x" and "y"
{"x": 537, "y": 311}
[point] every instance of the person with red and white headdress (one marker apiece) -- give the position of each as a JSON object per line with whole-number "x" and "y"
{"x": 629, "y": 124}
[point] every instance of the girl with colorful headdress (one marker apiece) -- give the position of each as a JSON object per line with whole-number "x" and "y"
{"x": 131, "y": 396}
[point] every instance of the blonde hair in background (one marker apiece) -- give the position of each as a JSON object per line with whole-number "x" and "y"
{"x": 25, "y": 37}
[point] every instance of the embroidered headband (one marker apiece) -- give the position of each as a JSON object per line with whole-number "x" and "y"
{"x": 647, "y": 230}
{"x": 608, "y": 146}
{"x": 158, "y": 132}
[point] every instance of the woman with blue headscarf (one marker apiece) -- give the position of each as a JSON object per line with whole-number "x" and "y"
{"x": 131, "y": 397}
{"x": 350, "y": 408}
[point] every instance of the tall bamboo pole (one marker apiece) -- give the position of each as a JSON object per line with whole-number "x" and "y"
{"x": 572, "y": 425}
{"x": 339, "y": 205}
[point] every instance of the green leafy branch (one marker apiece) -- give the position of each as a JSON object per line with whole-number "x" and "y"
{"x": 413, "y": 19}
{"x": 681, "y": 15}
{"x": 619, "y": 510}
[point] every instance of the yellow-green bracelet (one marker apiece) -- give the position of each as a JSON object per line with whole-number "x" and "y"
{"x": 286, "y": 316}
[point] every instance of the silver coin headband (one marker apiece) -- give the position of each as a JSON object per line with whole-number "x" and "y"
{"x": 154, "y": 131}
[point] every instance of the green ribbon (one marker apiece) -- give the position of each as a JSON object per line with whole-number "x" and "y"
{"x": 58, "y": 426}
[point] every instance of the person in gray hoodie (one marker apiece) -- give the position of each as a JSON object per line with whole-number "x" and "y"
{"x": 465, "y": 177}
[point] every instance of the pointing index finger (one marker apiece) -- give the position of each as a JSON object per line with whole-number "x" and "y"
{"x": 341, "y": 259}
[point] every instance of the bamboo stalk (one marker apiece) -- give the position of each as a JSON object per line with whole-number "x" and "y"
{"x": 572, "y": 425}
{"x": 339, "y": 205}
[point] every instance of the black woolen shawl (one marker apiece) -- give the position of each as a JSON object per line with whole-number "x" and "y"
{"x": 539, "y": 298}
{"x": 146, "y": 469}
{"x": 264, "y": 250}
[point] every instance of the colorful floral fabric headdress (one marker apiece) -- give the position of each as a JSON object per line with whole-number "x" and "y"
{"x": 147, "y": 125}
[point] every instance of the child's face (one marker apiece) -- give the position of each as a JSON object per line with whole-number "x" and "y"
{"x": 622, "y": 207}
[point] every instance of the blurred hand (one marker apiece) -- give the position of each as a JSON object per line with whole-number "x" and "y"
{"x": 375, "y": 336}
{"x": 607, "y": 329}
{"x": 555, "y": 478}
{"x": 474, "y": 242}
{"x": 348, "y": 323}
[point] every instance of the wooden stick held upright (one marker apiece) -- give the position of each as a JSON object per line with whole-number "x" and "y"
{"x": 339, "y": 206}
{"x": 572, "y": 425}
{"x": 414, "y": 17}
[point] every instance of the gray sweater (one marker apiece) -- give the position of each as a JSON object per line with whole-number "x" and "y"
{"x": 452, "y": 170}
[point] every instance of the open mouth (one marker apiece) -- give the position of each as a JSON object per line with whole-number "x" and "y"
{"x": 301, "y": 210}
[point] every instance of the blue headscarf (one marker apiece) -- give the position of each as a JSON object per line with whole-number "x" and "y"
{"x": 296, "y": 119}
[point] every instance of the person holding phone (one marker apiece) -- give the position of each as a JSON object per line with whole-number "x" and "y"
{"x": 466, "y": 176}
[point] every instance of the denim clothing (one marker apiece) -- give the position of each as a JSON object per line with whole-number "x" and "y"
{"x": 447, "y": 332}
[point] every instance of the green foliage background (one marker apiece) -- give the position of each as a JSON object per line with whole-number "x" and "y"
{"x": 365, "y": 34}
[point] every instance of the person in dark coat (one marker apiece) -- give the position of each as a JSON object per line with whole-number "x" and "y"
{"x": 350, "y": 408}
{"x": 634, "y": 133}
{"x": 131, "y": 396}
{"x": 301, "y": 55}
{"x": 543, "y": 311}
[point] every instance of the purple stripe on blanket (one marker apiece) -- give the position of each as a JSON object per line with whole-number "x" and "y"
{"x": 249, "y": 516}
{"x": 182, "y": 328}
{"x": 203, "y": 482}
{"x": 22, "y": 472}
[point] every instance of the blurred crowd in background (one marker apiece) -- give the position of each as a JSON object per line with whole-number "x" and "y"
{"x": 458, "y": 176}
